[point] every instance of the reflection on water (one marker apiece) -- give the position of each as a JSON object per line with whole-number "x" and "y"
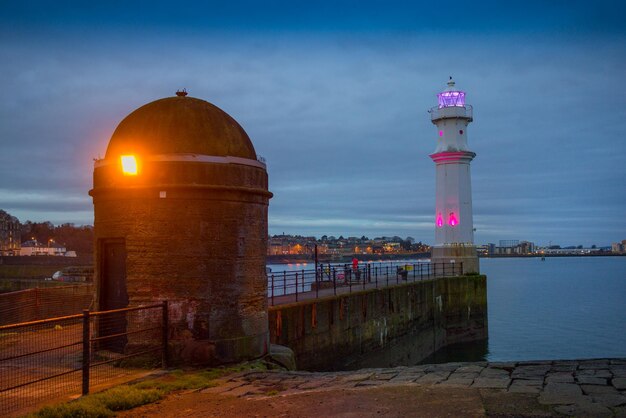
{"x": 474, "y": 351}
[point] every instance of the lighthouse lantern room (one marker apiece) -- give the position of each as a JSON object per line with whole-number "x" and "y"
{"x": 454, "y": 227}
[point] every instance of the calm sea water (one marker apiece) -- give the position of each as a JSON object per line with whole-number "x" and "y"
{"x": 565, "y": 308}
{"x": 560, "y": 308}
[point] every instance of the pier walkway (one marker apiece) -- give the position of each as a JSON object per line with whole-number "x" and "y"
{"x": 589, "y": 388}
{"x": 295, "y": 286}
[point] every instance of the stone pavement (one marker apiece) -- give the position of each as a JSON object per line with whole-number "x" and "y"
{"x": 576, "y": 387}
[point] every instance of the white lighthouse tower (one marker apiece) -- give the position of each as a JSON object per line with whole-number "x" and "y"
{"x": 454, "y": 225}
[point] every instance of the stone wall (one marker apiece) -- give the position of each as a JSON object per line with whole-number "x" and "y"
{"x": 400, "y": 324}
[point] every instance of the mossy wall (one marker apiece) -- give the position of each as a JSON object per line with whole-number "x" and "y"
{"x": 400, "y": 324}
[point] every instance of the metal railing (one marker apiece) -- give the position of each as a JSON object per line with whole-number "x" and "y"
{"x": 44, "y": 302}
{"x": 464, "y": 112}
{"x": 55, "y": 357}
{"x": 327, "y": 280}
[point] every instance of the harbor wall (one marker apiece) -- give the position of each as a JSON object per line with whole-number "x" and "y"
{"x": 400, "y": 324}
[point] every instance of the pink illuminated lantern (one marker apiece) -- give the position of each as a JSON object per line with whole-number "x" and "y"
{"x": 439, "y": 220}
{"x": 452, "y": 220}
{"x": 451, "y": 97}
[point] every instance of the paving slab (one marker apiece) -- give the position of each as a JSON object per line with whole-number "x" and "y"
{"x": 563, "y": 367}
{"x": 619, "y": 411}
{"x": 432, "y": 378}
{"x": 530, "y": 372}
{"x": 559, "y": 377}
{"x": 584, "y": 409}
{"x": 384, "y": 376}
{"x": 561, "y": 393}
{"x": 525, "y": 386}
{"x": 356, "y": 377}
{"x": 619, "y": 383}
{"x": 491, "y": 382}
{"x": 593, "y": 364}
{"x": 369, "y": 383}
{"x": 606, "y": 374}
{"x": 457, "y": 375}
{"x": 588, "y": 380}
{"x": 609, "y": 400}
{"x": 470, "y": 369}
{"x": 446, "y": 367}
{"x": 503, "y": 365}
{"x": 457, "y": 382}
{"x": 503, "y": 404}
{"x": 489, "y": 372}
{"x": 314, "y": 384}
{"x": 409, "y": 377}
{"x": 596, "y": 389}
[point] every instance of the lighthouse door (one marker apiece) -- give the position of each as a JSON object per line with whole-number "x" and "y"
{"x": 113, "y": 294}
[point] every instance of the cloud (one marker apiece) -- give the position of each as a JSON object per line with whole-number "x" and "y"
{"x": 342, "y": 122}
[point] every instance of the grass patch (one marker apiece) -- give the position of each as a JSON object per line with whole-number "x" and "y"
{"x": 124, "y": 397}
{"x": 102, "y": 405}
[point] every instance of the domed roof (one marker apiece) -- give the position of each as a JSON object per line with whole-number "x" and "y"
{"x": 180, "y": 125}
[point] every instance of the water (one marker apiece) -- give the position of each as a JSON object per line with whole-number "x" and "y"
{"x": 560, "y": 308}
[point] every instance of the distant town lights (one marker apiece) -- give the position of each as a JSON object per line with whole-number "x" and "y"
{"x": 129, "y": 165}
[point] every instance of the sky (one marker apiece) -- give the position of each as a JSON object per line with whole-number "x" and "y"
{"x": 334, "y": 95}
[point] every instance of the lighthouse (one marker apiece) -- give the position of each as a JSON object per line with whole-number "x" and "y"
{"x": 454, "y": 226}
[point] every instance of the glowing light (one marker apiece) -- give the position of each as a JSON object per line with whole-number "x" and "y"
{"x": 451, "y": 98}
{"x": 440, "y": 133}
{"x": 452, "y": 219}
{"x": 439, "y": 220}
{"x": 129, "y": 165}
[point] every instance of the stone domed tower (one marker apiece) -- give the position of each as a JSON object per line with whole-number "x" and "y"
{"x": 180, "y": 204}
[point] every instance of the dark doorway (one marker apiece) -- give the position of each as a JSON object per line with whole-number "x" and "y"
{"x": 113, "y": 294}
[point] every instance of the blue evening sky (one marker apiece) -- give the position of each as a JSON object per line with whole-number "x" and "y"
{"x": 334, "y": 94}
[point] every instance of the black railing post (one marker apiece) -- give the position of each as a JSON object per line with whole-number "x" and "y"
{"x": 272, "y": 289}
{"x": 317, "y": 285}
{"x": 335, "y": 280}
{"x": 387, "y": 274}
{"x": 348, "y": 275}
{"x": 86, "y": 351}
{"x": 296, "y": 286}
{"x": 363, "y": 276}
{"x": 165, "y": 360}
{"x": 284, "y": 282}
{"x": 303, "y": 280}
{"x": 376, "y": 276}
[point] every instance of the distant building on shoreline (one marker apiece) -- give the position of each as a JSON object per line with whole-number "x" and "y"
{"x": 34, "y": 247}
{"x": 290, "y": 244}
{"x": 9, "y": 234}
{"x": 619, "y": 247}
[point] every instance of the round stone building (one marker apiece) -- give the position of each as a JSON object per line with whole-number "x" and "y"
{"x": 180, "y": 203}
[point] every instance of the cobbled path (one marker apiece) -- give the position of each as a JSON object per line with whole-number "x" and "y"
{"x": 576, "y": 387}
